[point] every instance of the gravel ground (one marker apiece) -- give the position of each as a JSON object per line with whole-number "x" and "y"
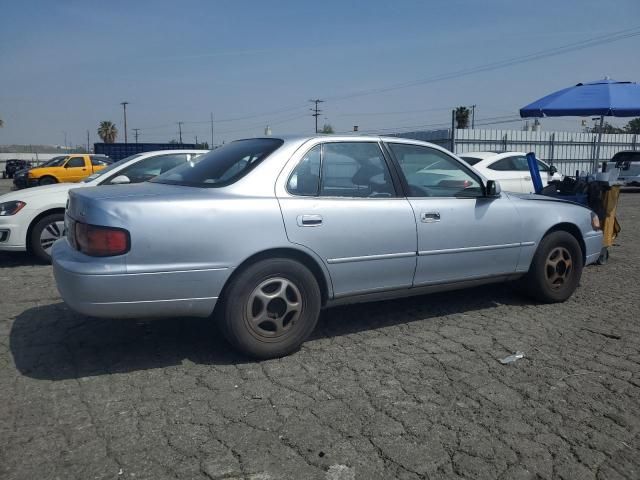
{"x": 400, "y": 389}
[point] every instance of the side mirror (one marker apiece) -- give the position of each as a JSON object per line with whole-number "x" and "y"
{"x": 120, "y": 180}
{"x": 553, "y": 170}
{"x": 493, "y": 188}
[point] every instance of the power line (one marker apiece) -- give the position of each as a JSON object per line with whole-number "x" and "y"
{"x": 588, "y": 43}
{"x": 567, "y": 48}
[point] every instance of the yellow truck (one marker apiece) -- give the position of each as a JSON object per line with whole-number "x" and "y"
{"x": 70, "y": 168}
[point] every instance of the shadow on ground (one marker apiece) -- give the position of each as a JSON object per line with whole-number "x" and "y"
{"x": 51, "y": 342}
{"x": 18, "y": 259}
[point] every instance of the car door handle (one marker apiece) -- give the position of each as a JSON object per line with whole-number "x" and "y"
{"x": 309, "y": 220}
{"x": 430, "y": 217}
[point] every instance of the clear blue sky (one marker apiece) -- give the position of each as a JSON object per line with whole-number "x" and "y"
{"x": 66, "y": 65}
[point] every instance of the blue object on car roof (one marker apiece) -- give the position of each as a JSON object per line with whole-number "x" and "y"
{"x": 608, "y": 98}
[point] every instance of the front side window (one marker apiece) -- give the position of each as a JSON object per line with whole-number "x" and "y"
{"x": 543, "y": 167}
{"x": 432, "y": 173}
{"x": 222, "y": 166}
{"x": 520, "y": 163}
{"x": 149, "y": 168}
{"x": 75, "y": 162}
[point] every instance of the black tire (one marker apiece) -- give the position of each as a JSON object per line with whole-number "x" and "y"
{"x": 555, "y": 270}
{"x": 47, "y": 180}
{"x": 35, "y": 244}
{"x": 282, "y": 330}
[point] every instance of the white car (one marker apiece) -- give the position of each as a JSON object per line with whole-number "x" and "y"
{"x": 510, "y": 169}
{"x": 33, "y": 219}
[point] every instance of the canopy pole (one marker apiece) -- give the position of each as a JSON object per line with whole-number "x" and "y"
{"x": 596, "y": 160}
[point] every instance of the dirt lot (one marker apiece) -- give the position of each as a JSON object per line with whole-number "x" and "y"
{"x": 401, "y": 389}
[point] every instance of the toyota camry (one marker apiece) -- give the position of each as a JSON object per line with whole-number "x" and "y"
{"x": 263, "y": 233}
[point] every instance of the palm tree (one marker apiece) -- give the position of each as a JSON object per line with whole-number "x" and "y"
{"x": 107, "y": 131}
{"x": 462, "y": 117}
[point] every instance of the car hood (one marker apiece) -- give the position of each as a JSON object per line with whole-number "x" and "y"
{"x": 29, "y": 193}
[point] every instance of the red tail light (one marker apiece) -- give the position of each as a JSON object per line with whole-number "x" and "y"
{"x": 100, "y": 241}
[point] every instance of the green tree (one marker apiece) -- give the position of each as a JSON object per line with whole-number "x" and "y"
{"x": 327, "y": 128}
{"x": 633, "y": 126}
{"x": 607, "y": 128}
{"x": 462, "y": 117}
{"x": 107, "y": 131}
{"x": 1, "y": 123}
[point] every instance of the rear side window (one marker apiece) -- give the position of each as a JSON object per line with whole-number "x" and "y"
{"x": 621, "y": 157}
{"x": 503, "y": 165}
{"x": 342, "y": 169}
{"x": 305, "y": 179}
{"x": 99, "y": 162}
{"x": 222, "y": 166}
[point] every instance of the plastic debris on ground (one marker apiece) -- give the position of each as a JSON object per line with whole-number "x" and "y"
{"x": 512, "y": 358}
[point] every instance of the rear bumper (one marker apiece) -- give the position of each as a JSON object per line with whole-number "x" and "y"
{"x": 593, "y": 243}
{"x": 117, "y": 294}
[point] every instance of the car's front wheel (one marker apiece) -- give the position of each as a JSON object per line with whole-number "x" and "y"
{"x": 44, "y": 233}
{"x": 270, "y": 308}
{"x": 556, "y": 268}
{"x": 48, "y": 180}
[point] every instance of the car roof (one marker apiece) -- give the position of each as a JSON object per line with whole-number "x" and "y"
{"x": 489, "y": 154}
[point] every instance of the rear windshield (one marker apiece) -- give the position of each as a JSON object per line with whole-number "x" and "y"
{"x": 471, "y": 160}
{"x": 222, "y": 166}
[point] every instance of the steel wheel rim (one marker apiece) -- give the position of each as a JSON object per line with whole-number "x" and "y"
{"x": 273, "y": 308}
{"x": 558, "y": 267}
{"x": 50, "y": 233}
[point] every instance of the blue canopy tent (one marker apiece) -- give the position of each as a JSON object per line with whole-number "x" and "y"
{"x": 605, "y": 98}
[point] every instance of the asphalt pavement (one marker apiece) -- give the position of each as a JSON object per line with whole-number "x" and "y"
{"x": 403, "y": 389}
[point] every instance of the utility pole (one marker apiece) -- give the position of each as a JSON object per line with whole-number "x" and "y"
{"x": 473, "y": 116}
{"x": 124, "y": 109}
{"x": 180, "y": 131}
{"x": 196, "y": 141}
{"x": 65, "y": 140}
{"x": 135, "y": 132}
{"x": 211, "y": 129}
{"x": 316, "y": 111}
{"x": 88, "y": 151}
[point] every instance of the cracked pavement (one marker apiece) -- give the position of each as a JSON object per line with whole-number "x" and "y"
{"x": 402, "y": 389}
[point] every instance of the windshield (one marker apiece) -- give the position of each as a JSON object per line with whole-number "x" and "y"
{"x": 222, "y": 166}
{"x": 51, "y": 161}
{"x": 110, "y": 168}
{"x": 55, "y": 162}
{"x": 471, "y": 160}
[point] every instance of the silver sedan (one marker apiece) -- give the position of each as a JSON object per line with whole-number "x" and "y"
{"x": 262, "y": 233}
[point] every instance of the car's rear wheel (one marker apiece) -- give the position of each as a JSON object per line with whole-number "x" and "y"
{"x": 556, "y": 268}
{"x": 48, "y": 180}
{"x": 270, "y": 308}
{"x": 44, "y": 233}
